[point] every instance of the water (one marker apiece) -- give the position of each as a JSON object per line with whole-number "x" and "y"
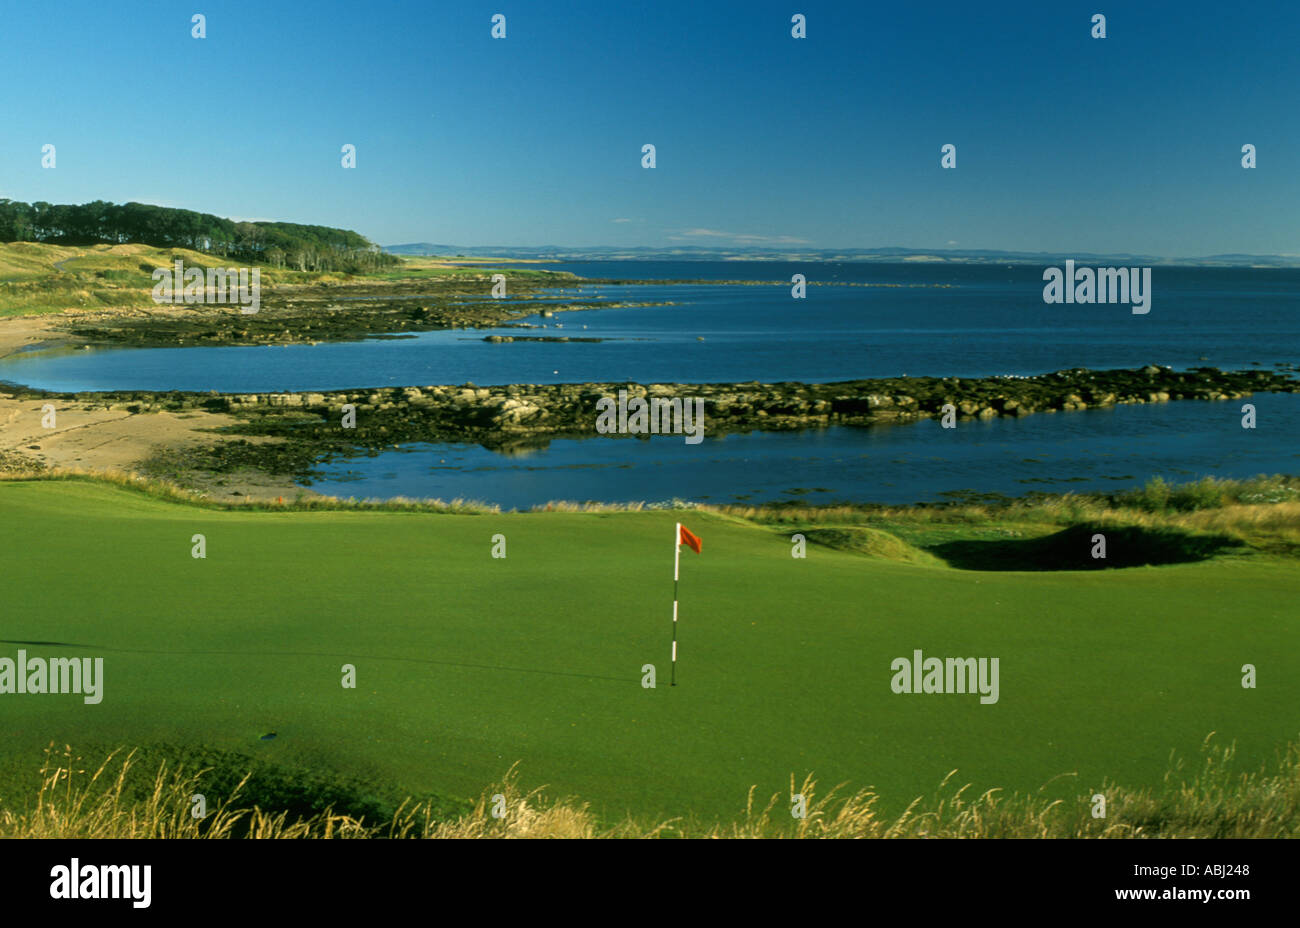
{"x": 965, "y": 321}
{"x": 1093, "y": 450}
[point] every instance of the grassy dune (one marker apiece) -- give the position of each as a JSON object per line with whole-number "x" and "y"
{"x": 468, "y": 664}
{"x": 38, "y": 278}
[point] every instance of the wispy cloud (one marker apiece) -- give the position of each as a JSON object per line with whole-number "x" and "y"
{"x": 737, "y": 238}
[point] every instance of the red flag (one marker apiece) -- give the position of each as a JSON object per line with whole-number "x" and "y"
{"x": 690, "y": 540}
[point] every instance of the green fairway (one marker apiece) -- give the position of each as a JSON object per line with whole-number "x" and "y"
{"x": 466, "y": 663}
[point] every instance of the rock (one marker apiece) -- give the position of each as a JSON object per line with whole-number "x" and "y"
{"x": 517, "y": 411}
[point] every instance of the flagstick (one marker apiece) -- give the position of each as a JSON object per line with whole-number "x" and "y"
{"x": 677, "y": 558}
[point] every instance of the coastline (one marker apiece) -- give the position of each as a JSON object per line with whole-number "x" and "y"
{"x": 261, "y": 444}
{"x": 21, "y": 333}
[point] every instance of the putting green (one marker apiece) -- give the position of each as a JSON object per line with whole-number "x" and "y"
{"x": 466, "y": 663}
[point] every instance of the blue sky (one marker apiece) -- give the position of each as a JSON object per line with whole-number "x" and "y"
{"x": 1064, "y": 143}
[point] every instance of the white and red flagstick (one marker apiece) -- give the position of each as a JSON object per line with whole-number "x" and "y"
{"x": 681, "y": 536}
{"x": 677, "y": 560}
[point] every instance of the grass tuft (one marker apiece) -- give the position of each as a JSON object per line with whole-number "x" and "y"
{"x": 1209, "y": 799}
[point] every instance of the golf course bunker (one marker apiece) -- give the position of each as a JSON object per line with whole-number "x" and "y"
{"x": 1073, "y": 549}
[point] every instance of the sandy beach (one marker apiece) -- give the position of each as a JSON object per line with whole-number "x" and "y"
{"x": 20, "y": 332}
{"x": 94, "y": 438}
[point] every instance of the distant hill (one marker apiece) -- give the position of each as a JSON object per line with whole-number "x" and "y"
{"x": 421, "y": 249}
{"x": 892, "y": 254}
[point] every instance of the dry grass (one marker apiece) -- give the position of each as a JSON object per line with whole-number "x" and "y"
{"x": 1272, "y": 525}
{"x": 20, "y": 468}
{"x": 1262, "y": 513}
{"x": 594, "y": 506}
{"x": 1264, "y": 508}
{"x": 166, "y": 490}
{"x": 76, "y": 801}
{"x": 1211, "y": 799}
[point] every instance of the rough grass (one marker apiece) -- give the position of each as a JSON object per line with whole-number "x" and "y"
{"x": 1155, "y": 497}
{"x": 1265, "y": 506}
{"x": 1042, "y": 533}
{"x": 36, "y": 278}
{"x": 14, "y": 466}
{"x": 157, "y": 488}
{"x": 1212, "y": 798}
{"x": 1166, "y": 523}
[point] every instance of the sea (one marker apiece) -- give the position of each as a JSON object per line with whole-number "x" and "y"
{"x": 742, "y": 322}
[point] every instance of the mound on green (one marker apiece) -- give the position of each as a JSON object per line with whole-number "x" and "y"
{"x": 872, "y": 542}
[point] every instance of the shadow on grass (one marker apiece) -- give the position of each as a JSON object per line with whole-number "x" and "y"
{"x": 1071, "y": 549}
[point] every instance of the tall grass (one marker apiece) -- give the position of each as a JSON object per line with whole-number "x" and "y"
{"x": 91, "y": 801}
{"x": 1211, "y": 798}
{"x": 1207, "y": 493}
{"x": 1262, "y": 513}
{"x": 301, "y": 502}
{"x": 161, "y": 488}
{"x": 1275, "y": 496}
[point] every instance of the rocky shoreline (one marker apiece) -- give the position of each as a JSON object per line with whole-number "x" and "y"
{"x": 304, "y": 427}
{"x": 329, "y": 314}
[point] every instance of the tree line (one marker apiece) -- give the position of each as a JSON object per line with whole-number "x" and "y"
{"x": 279, "y": 244}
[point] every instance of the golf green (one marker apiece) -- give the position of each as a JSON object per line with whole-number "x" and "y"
{"x": 466, "y": 663}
